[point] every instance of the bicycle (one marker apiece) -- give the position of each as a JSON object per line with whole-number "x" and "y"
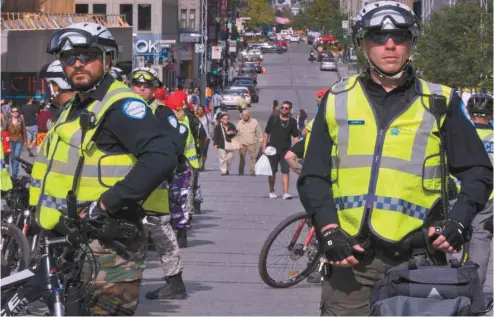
{"x": 14, "y": 249}
{"x": 19, "y": 212}
{"x": 58, "y": 280}
{"x": 307, "y": 247}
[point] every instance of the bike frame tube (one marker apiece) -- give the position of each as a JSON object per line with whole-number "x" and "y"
{"x": 297, "y": 233}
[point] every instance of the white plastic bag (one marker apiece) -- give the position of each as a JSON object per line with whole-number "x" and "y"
{"x": 263, "y": 167}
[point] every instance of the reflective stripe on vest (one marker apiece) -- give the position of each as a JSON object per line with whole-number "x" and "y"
{"x": 190, "y": 151}
{"x": 56, "y": 162}
{"x": 5, "y": 180}
{"x": 383, "y": 171}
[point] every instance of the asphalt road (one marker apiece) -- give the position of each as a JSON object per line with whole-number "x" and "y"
{"x": 220, "y": 271}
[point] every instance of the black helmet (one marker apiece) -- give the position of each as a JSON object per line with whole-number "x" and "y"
{"x": 480, "y": 105}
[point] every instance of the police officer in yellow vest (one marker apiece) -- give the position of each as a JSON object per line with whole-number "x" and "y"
{"x": 480, "y": 109}
{"x": 144, "y": 81}
{"x": 125, "y": 154}
{"x": 371, "y": 175}
{"x": 5, "y": 180}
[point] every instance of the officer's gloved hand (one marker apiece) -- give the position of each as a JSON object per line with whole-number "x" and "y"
{"x": 447, "y": 235}
{"x": 93, "y": 212}
{"x": 339, "y": 247}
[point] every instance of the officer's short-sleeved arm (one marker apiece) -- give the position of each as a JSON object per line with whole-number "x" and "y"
{"x": 171, "y": 125}
{"x": 141, "y": 134}
{"x": 468, "y": 162}
{"x": 314, "y": 183}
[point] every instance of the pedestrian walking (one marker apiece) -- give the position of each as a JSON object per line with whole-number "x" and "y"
{"x": 223, "y": 134}
{"x": 29, "y": 112}
{"x": 250, "y": 137}
{"x": 278, "y": 133}
{"x": 207, "y": 125}
{"x": 18, "y": 136}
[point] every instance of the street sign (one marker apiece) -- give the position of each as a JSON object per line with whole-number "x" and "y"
{"x": 229, "y": 25}
{"x": 344, "y": 24}
{"x": 199, "y": 48}
{"x": 172, "y": 67}
{"x": 216, "y": 52}
{"x": 232, "y": 49}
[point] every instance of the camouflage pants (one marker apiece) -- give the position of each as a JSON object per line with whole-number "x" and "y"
{"x": 165, "y": 241}
{"x": 116, "y": 287}
{"x": 179, "y": 192}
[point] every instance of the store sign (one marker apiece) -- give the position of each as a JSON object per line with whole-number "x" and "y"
{"x": 185, "y": 51}
{"x": 19, "y": 85}
{"x": 148, "y": 47}
{"x": 190, "y": 37}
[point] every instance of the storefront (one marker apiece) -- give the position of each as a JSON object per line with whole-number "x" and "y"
{"x": 189, "y": 60}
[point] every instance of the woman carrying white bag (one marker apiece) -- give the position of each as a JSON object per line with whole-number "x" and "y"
{"x": 225, "y": 142}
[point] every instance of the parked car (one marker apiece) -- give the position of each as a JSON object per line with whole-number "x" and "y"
{"x": 294, "y": 38}
{"x": 249, "y": 83}
{"x": 282, "y": 44}
{"x": 248, "y": 71}
{"x": 245, "y": 91}
{"x": 328, "y": 63}
{"x": 231, "y": 97}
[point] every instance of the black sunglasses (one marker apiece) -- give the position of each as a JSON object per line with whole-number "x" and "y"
{"x": 398, "y": 37}
{"x": 84, "y": 57}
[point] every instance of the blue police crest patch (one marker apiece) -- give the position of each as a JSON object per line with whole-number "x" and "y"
{"x": 395, "y": 131}
{"x": 173, "y": 121}
{"x": 182, "y": 129}
{"x": 135, "y": 109}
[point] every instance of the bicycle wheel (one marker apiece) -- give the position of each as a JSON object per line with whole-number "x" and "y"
{"x": 293, "y": 248}
{"x": 15, "y": 248}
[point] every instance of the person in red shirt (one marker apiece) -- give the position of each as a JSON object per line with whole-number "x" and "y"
{"x": 45, "y": 119}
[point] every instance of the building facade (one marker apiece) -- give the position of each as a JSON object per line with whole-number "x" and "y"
{"x": 154, "y": 29}
{"x": 189, "y": 19}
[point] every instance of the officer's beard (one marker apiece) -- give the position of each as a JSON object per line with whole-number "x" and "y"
{"x": 93, "y": 81}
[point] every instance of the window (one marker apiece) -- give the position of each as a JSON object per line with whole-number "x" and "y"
{"x": 99, "y": 8}
{"x": 126, "y": 9}
{"x": 144, "y": 17}
{"x": 183, "y": 18}
{"x": 81, "y": 8}
{"x": 192, "y": 19}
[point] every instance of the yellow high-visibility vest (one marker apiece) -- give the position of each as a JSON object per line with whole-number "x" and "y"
{"x": 55, "y": 166}
{"x": 307, "y": 136}
{"x": 190, "y": 146}
{"x": 394, "y": 173}
{"x": 5, "y": 180}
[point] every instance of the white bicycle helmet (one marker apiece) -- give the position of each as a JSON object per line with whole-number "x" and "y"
{"x": 53, "y": 72}
{"x": 117, "y": 73}
{"x": 145, "y": 74}
{"x": 385, "y": 15}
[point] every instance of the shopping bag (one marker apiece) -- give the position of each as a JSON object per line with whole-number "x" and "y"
{"x": 263, "y": 167}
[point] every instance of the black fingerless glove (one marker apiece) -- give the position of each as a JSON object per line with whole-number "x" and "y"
{"x": 336, "y": 244}
{"x": 452, "y": 230}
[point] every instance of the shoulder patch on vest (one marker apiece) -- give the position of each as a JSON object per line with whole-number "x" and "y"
{"x": 135, "y": 109}
{"x": 182, "y": 129}
{"x": 173, "y": 121}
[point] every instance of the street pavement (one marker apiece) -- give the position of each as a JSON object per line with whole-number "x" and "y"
{"x": 220, "y": 264}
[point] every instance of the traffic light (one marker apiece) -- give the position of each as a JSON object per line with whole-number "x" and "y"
{"x": 238, "y": 39}
{"x": 214, "y": 72}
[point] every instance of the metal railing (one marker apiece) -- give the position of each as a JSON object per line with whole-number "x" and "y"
{"x": 20, "y": 21}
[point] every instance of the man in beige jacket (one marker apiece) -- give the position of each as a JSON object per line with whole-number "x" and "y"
{"x": 250, "y": 136}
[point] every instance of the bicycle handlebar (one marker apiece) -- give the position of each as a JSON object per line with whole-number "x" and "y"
{"x": 27, "y": 166}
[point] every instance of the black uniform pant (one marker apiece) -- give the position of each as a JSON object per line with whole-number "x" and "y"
{"x": 347, "y": 292}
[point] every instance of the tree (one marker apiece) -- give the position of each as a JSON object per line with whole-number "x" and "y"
{"x": 259, "y": 11}
{"x": 323, "y": 15}
{"x": 454, "y": 49}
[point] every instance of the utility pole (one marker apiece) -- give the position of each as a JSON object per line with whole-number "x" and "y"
{"x": 204, "y": 54}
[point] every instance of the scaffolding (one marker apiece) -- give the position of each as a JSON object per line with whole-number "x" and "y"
{"x": 204, "y": 53}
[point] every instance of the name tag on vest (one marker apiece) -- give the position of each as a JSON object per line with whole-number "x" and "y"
{"x": 356, "y": 122}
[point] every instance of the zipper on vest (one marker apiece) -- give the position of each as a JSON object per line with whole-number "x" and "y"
{"x": 376, "y": 161}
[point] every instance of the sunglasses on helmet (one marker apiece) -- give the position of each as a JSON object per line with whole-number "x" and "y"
{"x": 84, "y": 57}
{"x": 381, "y": 37}
{"x": 139, "y": 75}
{"x": 77, "y": 39}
